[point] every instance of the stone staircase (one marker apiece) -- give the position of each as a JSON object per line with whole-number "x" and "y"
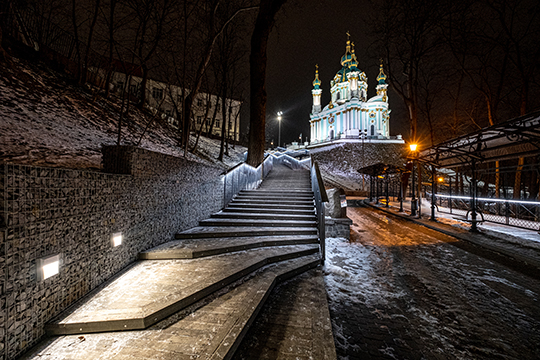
{"x": 196, "y": 296}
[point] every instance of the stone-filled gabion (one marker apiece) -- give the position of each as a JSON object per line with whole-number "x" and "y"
{"x": 48, "y": 211}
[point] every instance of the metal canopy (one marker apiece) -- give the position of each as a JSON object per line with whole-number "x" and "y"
{"x": 515, "y": 138}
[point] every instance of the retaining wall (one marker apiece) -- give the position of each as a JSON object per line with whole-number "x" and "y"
{"x": 73, "y": 213}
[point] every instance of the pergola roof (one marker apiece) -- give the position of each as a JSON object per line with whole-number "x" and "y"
{"x": 519, "y": 137}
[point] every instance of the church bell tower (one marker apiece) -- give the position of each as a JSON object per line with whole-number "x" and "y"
{"x": 316, "y": 92}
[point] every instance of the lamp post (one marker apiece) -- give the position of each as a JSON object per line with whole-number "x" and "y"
{"x": 413, "y": 200}
{"x": 279, "y": 133}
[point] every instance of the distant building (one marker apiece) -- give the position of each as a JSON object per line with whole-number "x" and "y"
{"x": 164, "y": 98}
{"x": 350, "y": 115}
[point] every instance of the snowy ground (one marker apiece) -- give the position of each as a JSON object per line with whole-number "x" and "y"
{"x": 46, "y": 121}
{"x": 398, "y": 290}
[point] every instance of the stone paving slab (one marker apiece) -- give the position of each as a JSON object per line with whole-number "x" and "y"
{"x": 293, "y": 324}
{"x": 195, "y": 248}
{"x": 154, "y": 289}
{"x": 212, "y": 331}
{"x": 217, "y": 231}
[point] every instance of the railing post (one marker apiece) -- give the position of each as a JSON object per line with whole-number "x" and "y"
{"x": 433, "y": 190}
{"x": 450, "y": 193}
{"x": 473, "y": 197}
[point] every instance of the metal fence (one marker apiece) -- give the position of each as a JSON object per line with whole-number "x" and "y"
{"x": 244, "y": 177}
{"x": 513, "y": 212}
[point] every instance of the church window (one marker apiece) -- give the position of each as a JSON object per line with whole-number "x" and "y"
{"x": 372, "y": 130}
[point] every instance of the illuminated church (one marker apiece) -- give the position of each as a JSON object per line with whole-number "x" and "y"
{"x": 350, "y": 115}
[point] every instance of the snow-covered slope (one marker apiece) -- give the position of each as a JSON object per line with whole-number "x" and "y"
{"x": 47, "y": 121}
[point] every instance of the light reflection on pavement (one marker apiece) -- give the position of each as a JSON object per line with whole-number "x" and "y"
{"x": 398, "y": 290}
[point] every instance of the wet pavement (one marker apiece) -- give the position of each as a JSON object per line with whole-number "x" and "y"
{"x": 399, "y": 290}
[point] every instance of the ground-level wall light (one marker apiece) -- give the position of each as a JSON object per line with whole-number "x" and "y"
{"x": 116, "y": 239}
{"x": 48, "y": 266}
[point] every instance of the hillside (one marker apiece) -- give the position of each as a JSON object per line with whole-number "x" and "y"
{"x": 45, "y": 120}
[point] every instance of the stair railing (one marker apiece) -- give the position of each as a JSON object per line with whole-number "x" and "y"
{"x": 319, "y": 192}
{"x": 292, "y": 162}
{"x": 244, "y": 177}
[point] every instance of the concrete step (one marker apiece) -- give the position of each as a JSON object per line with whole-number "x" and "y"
{"x": 262, "y": 216}
{"x": 213, "y": 329}
{"x": 200, "y": 232}
{"x": 277, "y": 192}
{"x": 196, "y": 248}
{"x": 252, "y": 205}
{"x": 258, "y": 223}
{"x": 269, "y": 201}
{"x": 153, "y": 290}
{"x": 273, "y": 198}
{"x": 277, "y": 210}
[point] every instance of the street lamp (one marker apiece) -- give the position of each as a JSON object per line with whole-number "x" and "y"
{"x": 279, "y": 133}
{"x": 413, "y": 200}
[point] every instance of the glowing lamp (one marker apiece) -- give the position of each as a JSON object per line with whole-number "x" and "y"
{"x": 47, "y": 267}
{"x": 116, "y": 239}
{"x": 413, "y": 147}
{"x": 440, "y": 179}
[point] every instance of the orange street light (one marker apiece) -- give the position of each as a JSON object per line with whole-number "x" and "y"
{"x": 413, "y": 147}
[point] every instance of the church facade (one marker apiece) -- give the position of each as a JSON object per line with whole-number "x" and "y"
{"x": 350, "y": 115}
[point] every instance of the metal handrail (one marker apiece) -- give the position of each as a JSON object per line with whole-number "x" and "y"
{"x": 244, "y": 177}
{"x": 319, "y": 193}
{"x": 292, "y": 162}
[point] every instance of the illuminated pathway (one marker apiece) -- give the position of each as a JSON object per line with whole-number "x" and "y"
{"x": 195, "y": 297}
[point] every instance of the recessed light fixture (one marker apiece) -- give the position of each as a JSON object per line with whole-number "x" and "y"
{"x": 48, "y": 267}
{"x": 116, "y": 239}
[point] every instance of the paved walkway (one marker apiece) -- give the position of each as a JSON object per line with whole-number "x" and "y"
{"x": 197, "y": 296}
{"x": 294, "y": 323}
{"x": 511, "y": 246}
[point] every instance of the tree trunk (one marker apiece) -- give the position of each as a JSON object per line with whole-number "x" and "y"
{"x": 89, "y": 43}
{"x": 257, "y": 69}
{"x": 111, "y": 45}
{"x": 76, "y": 39}
{"x": 517, "y": 180}
{"x": 144, "y": 81}
{"x": 224, "y": 118}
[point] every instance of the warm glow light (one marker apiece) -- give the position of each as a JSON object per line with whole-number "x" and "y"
{"x": 117, "y": 239}
{"x": 413, "y": 147}
{"x": 440, "y": 179}
{"x": 48, "y": 267}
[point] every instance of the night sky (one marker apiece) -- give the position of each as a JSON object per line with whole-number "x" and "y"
{"x": 314, "y": 32}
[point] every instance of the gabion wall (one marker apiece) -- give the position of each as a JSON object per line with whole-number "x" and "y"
{"x": 49, "y": 211}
